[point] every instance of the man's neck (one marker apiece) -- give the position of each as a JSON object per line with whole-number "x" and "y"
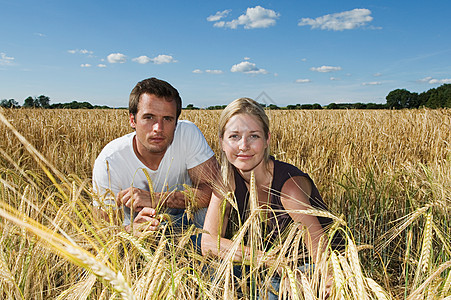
{"x": 149, "y": 159}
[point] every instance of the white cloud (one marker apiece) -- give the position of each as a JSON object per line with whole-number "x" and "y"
{"x": 248, "y": 68}
{"x": 325, "y": 69}
{"x": 340, "y": 21}
{"x": 163, "y": 59}
{"x": 334, "y": 78}
{"x": 377, "y": 74}
{"x": 114, "y": 58}
{"x": 197, "y": 71}
{"x": 142, "y": 59}
{"x": 5, "y": 60}
{"x": 255, "y": 17}
{"x": 219, "y": 15}
{"x": 40, "y": 34}
{"x": 304, "y": 59}
{"x": 80, "y": 51}
{"x": 303, "y": 80}
{"x": 101, "y": 66}
{"x": 214, "y": 71}
{"x": 158, "y": 60}
{"x": 372, "y": 83}
{"x": 431, "y": 80}
{"x": 425, "y": 79}
{"x": 85, "y": 65}
{"x": 440, "y": 81}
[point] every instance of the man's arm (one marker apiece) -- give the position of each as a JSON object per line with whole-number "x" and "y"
{"x": 203, "y": 178}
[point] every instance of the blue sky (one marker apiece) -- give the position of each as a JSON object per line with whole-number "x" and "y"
{"x": 216, "y": 51}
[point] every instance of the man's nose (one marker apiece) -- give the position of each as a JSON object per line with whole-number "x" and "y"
{"x": 158, "y": 126}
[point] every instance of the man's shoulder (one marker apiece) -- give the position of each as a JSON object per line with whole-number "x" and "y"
{"x": 186, "y": 125}
{"x": 117, "y": 146}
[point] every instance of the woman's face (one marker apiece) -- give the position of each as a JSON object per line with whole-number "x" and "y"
{"x": 244, "y": 142}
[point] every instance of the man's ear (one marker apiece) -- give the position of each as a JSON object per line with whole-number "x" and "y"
{"x": 132, "y": 121}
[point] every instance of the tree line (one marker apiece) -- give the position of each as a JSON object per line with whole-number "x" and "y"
{"x": 439, "y": 97}
{"x": 44, "y": 102}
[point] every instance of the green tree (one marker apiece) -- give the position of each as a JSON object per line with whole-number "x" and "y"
{"x": 316, "y": 106}
{"x": 29, "y": 102}
{"x": 43, "y": 101}
{"x": 401, "y": 98}
{"x": 333, "y": 106}
{"x": 10, "y": 103}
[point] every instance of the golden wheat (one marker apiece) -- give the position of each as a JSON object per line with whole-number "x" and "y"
{"x": 387, "y": 174}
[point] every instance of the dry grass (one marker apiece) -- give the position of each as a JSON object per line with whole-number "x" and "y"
{"x": 386, "y": 173}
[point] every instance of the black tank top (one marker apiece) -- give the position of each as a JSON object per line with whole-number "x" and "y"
{"x": 278, "y": 220}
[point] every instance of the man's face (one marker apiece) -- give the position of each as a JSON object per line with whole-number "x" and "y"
{"x": 155, "y": 124}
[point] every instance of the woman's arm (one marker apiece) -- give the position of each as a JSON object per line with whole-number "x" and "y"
{"x": 295, "y": 196}
{"x": 212, "y": 227}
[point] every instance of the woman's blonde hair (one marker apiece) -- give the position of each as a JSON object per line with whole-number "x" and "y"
{"x": 236, "y": 107}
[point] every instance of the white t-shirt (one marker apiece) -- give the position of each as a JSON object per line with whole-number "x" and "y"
{"x": 117, "y": 167}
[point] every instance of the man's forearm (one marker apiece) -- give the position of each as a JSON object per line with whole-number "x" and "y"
{"x": 198, "y": 197}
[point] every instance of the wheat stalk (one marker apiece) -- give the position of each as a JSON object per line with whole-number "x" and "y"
{"x": 70, "y": 251}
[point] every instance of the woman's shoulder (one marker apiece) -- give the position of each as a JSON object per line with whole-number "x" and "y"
{"x": 282, "y": 168}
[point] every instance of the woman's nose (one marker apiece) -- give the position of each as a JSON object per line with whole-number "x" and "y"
{"x": 244, "y": 144}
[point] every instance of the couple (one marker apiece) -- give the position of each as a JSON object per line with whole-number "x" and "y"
{"x": 149, "y": 168}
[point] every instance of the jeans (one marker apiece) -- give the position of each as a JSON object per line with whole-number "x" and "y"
{"x": 181, "y": 222}
{"x": 307, "y": 269}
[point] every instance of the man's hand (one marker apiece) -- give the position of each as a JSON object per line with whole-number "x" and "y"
{"x": 141, "y": 199}
{"x": 144, "y": 221}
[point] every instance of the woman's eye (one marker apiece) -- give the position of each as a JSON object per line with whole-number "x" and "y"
{"x": 255, "y": 136}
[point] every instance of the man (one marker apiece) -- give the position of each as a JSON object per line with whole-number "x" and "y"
{"x": 147, "y": 168}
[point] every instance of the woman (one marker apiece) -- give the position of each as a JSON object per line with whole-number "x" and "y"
{"x": 244, "y": 139}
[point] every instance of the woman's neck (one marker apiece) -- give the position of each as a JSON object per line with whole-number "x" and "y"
{"x": 263, "y": 174}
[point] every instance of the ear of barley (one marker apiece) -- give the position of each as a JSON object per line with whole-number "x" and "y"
{"x": 155, "y": 286}
{"x": 349, "y": 275}
{"x": 423, "y": 264}
{"x": 8, "y": 278}
{"x": 354, "y": 262}
{"x": 151, "y": 189}
{"x": 135, "y": 242}
{"x": 390, "y": 235}
{"x": 339, "y": 279}
{"x": 293, "y": 286}
{"x": 228, "y": 282}
{"x": 80, "y": 290}
{"x": 255, "y": 236}
{"x": 434, "y": 275}
{"x": 446, "y": 286}
{"x": 307, "y": 288}
{"x": 377, "y": 290}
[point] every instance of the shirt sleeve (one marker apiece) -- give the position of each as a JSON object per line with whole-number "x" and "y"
{"x": 103, "y": 181}
{"x": 198, "y": 149}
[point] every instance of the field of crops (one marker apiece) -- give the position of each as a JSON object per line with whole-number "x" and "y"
{"x": 385, "y": 175}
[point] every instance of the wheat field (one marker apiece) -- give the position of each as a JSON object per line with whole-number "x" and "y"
{"x": 385, "y": 175}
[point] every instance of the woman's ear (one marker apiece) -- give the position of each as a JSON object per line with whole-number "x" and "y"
{"x": 220, "y": 144}
{"x": 268, "y": 139}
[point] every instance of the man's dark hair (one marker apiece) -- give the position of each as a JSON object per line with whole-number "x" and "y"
{"x": 157, "y": 87}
